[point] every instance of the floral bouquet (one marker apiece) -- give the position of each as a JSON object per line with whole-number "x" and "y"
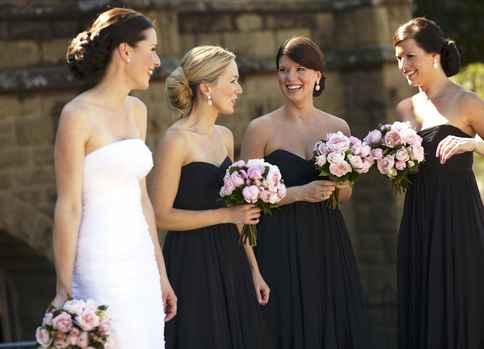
{"x": 398, "y": 151}
{"x": 341, "y": 159}
{"x": 78, "y": 324}
{"x": 255, "y": 182}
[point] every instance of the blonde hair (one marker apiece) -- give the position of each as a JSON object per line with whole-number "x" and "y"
{"x": 202, "y": 64}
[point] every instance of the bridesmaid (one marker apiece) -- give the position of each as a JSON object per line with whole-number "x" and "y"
{"x": 217, "y": 285}
{"x": 441, "y": 247}
{"x": 303, "y": 248}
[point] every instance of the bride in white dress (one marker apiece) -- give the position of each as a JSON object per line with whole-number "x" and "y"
{"x": 105, "y": 242}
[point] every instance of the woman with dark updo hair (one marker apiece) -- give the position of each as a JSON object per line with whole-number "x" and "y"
{"x": 105, "y": 240}
{"x": 441, "y": 242}
{"x": 303, "y": 248}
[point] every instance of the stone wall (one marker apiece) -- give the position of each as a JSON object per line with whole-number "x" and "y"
{"x": 363, "y": 86}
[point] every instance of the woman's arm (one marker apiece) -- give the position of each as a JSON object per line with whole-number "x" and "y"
{"x": 69, "y": 153}
{"x": 170, "y": 157}
{"x": 473, "y": 108}
{"x": 169, "y": 297}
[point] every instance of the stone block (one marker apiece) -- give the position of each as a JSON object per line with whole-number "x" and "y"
{"x": 26, "y": 53}
{"x": 167, "y": 32}
{"x": 324, "y": 29}
{"x": 21, "y": 30}
{"x": 14, "y": 158}
{"x": 7, "y": 134}
{"x": 249, "y": 22}
{"x": 253, "y": 44}
{"x": 187, "y": 42}
{"x": 54, "y": 51}
{"x": 65, "y": 29}
{"x": 284, "y": 34}
{"x": 34, "y": 131}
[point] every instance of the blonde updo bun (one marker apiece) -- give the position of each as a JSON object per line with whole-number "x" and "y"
{"x": 202, "y": 64}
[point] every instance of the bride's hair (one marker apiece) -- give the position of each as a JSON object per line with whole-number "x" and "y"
{"x": 202, "y": 64}
{"x": 89, "y": 53}
{"x": 430, "y": 37}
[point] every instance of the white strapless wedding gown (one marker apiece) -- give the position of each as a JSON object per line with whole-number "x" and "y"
{"x": 115, "y": 263}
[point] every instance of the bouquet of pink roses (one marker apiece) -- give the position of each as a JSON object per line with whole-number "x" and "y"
{"x": 255, "y": 182}
{"x": 398, "y": 151}
{"x": 341, "y": 158}
{"x": 78, "y": 324}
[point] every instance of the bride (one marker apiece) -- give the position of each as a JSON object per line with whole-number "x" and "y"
{"x": 105, "y": 241}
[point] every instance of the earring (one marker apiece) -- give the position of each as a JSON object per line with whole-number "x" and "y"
{"x": 128, "y": 60}
{"x": 210, "y": 100}
{"x": 317, "y": 88}
{"x": 436, "y": 64}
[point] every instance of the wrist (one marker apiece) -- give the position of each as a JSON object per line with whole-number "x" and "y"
{"x": 225, "y": 215}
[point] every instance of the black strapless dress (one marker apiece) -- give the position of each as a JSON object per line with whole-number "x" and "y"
{"x": 441, "y": 253}
{"x": 209, "y": 271}
{"x": 306, "y": 257}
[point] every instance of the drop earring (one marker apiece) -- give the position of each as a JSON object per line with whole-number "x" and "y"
{"x": 210, "y": 103}
{"x": 436, "y": 64}
{"x": 317, "y": 87}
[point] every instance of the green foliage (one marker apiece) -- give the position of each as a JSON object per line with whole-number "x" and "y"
{"x": 461, "y": 20}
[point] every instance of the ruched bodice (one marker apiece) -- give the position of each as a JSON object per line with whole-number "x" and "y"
{"x": 199, "y": 190}
{"x": 431, "y": 138}
{"x": 115, "y": 261}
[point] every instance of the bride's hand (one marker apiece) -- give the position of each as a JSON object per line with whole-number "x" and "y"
{"x": 169, "y": 300}
{"x": 59, "y": 301}
{"x": 262, "y": 290}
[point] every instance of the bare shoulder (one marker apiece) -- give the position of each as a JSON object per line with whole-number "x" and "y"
{"x": 471, "y": 103}
{"x": 224, "y": 131}
{"x": 263, "y": 125}
{"x": 334, "y": 123}
{"x": 139, "y": 112}
{"x": 77, "y": 115}
{"x": 174, "y": 139}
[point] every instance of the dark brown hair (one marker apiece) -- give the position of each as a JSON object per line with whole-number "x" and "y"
{"x": 89, "y": 53}
{"x": 428, "y": 36}
{"x": 305, "y": 52}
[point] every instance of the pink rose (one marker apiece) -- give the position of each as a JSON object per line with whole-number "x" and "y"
{"x": 273, "y": 178}
{"x": 367, "y": 164}
{"x": 250, "y": 194}
{"x": 355, "y": 161}
{"x": 105, "y": 327}
{"x": 339, "y": 169}
{"x": 335, "y": 157}
{"x": 385, "y": 165}
{"x": 392, "y": 138}
{"x": 88, "y": 320}
{"x": 83, "y": 340}
{"x": 62, "y": 322}
{"x": 400, "y": 165}
{"x": 417, "y": 153}
{"x": 74, "y": 306}
{"x": 373, "y": 137}
{"x": 321, "y": 148}
{"x": 409, "y": 136}
{"x": 365, "y": 150}
{"x": 254, "y": 173}
{"x": 47, "y": 320}
{"x": 320, "y": 160}
{"x": 43, "y": 337}
{"x": 356, "y": 149}
{"x": 377, "y": 153}
{"x": 281, "y": 191}
{"x": 239, "y": 163}
{"x": 237, "y": 179}
{"x": 400, "y": 126}
{"x": 228, "y": 186}
{"x": 265, "y": 195}
{"x": 73, "y": 337}
{"x": 338, "y": 142}
{"x": 402, "y": 155}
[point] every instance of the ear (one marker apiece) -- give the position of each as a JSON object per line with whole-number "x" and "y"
{"x": 318, "y": 75}
{"x": 204, "y": 89}
{"x": 124, "y": 51}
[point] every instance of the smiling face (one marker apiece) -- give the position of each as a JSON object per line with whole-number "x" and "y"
{"x": 226, "y": 89}
{"x": 414, "y": 63}
{"x": 144, "y": 60}
{"x": 296, "y": 81}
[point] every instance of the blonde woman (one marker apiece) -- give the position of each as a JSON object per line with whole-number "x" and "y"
{"x": 105, "y": 240}
{"x": 217, "y": 284}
